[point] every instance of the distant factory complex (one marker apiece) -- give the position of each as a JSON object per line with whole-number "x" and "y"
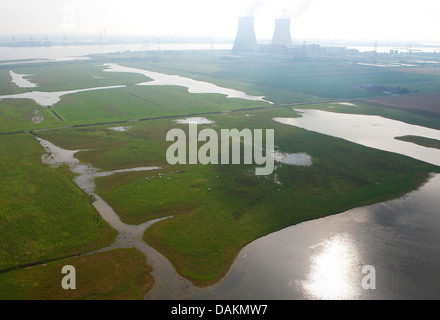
{"x": 281, "y": 44}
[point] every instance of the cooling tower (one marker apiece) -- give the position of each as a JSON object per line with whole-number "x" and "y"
{"x": 282, "y": 36}
{"x": 245, "y": 41}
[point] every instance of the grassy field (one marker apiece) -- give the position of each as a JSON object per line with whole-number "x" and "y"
{"x": 114, "y": 275}
{"x": 132, "y": 102}
{"x": 43, "y": 214}
{"x": 62, "y": 76}
{"x": 284, "y": 81}
{"x": 217, "y": 209}
{"x": 421, "y": 141}
{"x": 210, "y": 227}
{"x": 17, "y": 114}
{"x": 138, "y": 102}
{"x": 203, "y": 242}
{"x": 280, "y": 81}
{"x": 426, "y": 103}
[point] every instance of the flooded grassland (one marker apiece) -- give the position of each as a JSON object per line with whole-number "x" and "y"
{"x": 197, "y": 226}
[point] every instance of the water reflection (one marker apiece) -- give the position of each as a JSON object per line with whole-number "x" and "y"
{"x": 323, "y": 259}
{"x": 371, "y": 131}
{"x": 334, "y": 270}
{"x": 319, "y": 259}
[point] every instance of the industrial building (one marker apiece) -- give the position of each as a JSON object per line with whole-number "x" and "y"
{"x": 281, "y": 35}
{"x": 281, "y": 44}
{"x": 245, "y": 40}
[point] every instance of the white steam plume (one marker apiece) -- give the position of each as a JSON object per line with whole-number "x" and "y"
{"x": 254, "y": 6}
{"x": 294, "y": 9}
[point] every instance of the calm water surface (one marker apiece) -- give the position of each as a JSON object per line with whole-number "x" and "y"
{"x": 63, "y": 53}
{"x": 323, "y": 259}
{"x": 371, "y": 131}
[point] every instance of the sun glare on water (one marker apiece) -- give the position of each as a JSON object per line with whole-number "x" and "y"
{"x": 334, "y": 273}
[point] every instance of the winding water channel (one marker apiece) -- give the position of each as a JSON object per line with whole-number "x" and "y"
{"x": 50, "y": 99}
{"x": 193, "y": 86}
{"x": 130, "y": 236}
{"x": 319, "y": 259}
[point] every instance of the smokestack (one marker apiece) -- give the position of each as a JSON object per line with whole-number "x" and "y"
{"x": 245, "y": 40}
{"x": 282, "y": 36}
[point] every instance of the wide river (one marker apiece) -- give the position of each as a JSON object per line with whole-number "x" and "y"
{"x": 63, "y": 53}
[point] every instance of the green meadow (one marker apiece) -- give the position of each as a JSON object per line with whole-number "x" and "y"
{"x": 281, "y": 81}
{"x": 17, "y": 114}
{"x": 64, "y": 76}
{"x": 139, "y": 102}
{"x": 113, "y": 275}
{"x": 217, "y": 209}
{"x": 421, "y": 141}
{"x": 44, "y": 215}
{"x": 284, "y": 81}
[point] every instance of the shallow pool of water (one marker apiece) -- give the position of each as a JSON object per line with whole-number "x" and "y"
{"x": 294, "y": 159}
{"x": 371, "y": 131}
{"x": 20, "y": 81}
{"x": 121, "y": 129}
{"x": 49, "y": 99}
{"x": 194, "y": 120}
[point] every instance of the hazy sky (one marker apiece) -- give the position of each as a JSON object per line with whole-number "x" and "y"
{"x": 408, "y": 20}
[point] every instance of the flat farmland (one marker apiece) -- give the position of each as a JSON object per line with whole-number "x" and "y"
{"x": 427, "y": 103}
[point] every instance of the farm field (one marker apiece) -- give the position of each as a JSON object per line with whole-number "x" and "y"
{"x": 426, "y": 104}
